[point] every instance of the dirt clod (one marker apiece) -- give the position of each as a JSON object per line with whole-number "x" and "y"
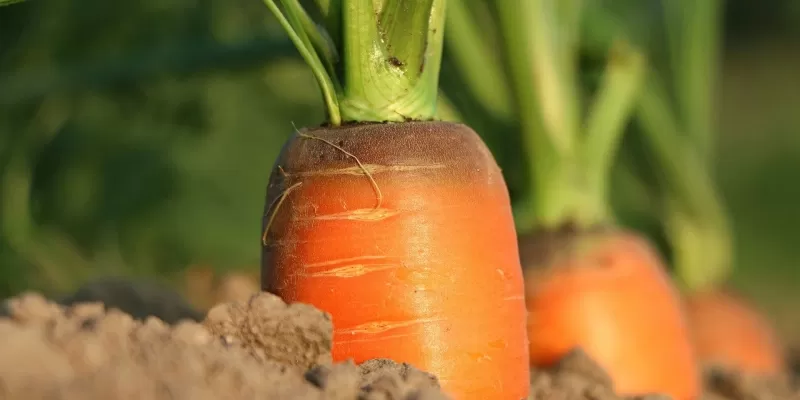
{"x": 386, "y": 379}
{"x": 575, "y": 377}
{"x": 295, "y": 334}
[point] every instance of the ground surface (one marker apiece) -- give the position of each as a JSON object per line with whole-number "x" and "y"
{"x": 258, "y": 348}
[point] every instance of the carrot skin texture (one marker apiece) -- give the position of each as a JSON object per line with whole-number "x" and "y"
{"x": 729, "y": 331}
{"x": 420, "y": 266}
{"x": 608, "y": 293}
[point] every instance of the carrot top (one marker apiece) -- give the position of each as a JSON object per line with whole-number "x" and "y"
{"x": 570, "y": 152}
{"x": 374, "y": 60}
{"x": 675, "y": 136}
{"x": 676, "y": 115}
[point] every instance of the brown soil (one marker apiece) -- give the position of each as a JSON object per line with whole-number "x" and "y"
{"x": 261, "y": 348}
{"x": 723, "y": 384}
{"x": 577, "y": 377}
{"x": 794, "y": 366}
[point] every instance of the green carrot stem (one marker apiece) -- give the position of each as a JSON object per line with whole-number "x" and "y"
{"x": 446, "y": 111}
{"x": 702, "y": 247}
{"x": 696, "y": 221}
{"x": 331, "y": 11}
{"x": 569, "y": 162}
{"x": 693, "y": 31}
{"x": 466, "y": 41}
{"x": 374, "y": 61}
{"x": 531, "y": 51}
{"x": 325, "y": 78}
{"x": 608, "y": 117}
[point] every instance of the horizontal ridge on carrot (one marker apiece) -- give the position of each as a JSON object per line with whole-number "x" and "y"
{"x": 398, "y": 225}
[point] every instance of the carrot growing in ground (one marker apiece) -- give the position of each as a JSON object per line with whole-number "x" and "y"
{"x": 730, "y": 332}
{"x": 590, "y": 284}
{"x": 397, "y": 225}
{"x": 680, "y": 135}
{"x": 726, "y": 328}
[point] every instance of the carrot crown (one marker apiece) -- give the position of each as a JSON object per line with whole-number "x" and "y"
{"x": 375, "y": 60}
{"x": 570, "y": 152}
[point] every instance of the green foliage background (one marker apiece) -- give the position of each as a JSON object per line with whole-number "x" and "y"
{"x": 136, "y": 138}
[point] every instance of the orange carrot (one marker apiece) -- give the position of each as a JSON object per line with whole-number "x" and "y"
{"x": 729, "y": 331}
{"x": 588, "y": 283}
{"x": 410, "y": 246}
{"x": 400, "y": 227}
{"x": 607, "y": 292}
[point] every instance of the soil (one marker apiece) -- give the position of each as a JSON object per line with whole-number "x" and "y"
{"x": 260, "y": 348}
{"x": 730, "y": 385}
{"x": 794, "y": 366}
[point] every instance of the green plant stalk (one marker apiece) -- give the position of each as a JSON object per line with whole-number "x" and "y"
{"x": 476, "y": 60}
{"x": 681, "y": 142}
{"x": 694, "y": 42}
{"x": 445, "y": 110}
{"x": 515, "y": 29}
{"x": 382, "y": 64}
{"x": 329, "y": 87}
{"x": 696, "y": 222}
{"x": 563, "y": 154}
{"x": 331, "y": 11}
{"x": 608, "y": 118}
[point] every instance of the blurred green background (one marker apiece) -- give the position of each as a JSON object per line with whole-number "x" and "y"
{"x": 136, "y": 139}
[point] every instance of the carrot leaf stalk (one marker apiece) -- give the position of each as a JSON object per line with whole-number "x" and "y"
{"x": 374, "y": 61}
{"x": 570, "y": 157}
{"x": 681, "y": 137}
{"x": 608, "y": 116}
{"x": 695, "y": 219}
{"x": 694, "y": 35}
{"x": 467, "y": 42}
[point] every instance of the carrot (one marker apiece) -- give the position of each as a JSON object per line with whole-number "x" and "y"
{"x": 589, "y": 283}
{"x": 731, "y": 332}
{"x": 607, "y": 292}
{"x": 677, "y": 121}
{"x": 398, "y": 225}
